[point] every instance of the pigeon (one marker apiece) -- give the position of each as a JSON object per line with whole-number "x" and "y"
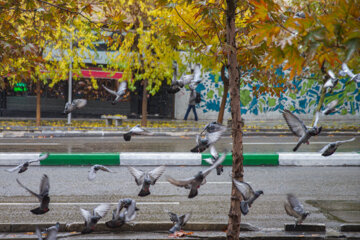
{"x": 196, "y": 181}
{"x": 190, "y": 79}
{"x": 43, "y": 196}
{"x": 298, "y": 128}
{"x": 179, "y": 221}
{"x": 332, "y": 80}
{"x": 51, "y": 232}
{"x": 214, "y": 131}
{"x": 120, "y": 92}
{"x": 213, "y": 159}
{"x": 295, "y": 209}
{"x": 76, "y": 104}
{"x": 331, "y": 147}
{"x": 346, "y": 71}
{"x": 94, "y": 169}
{"x": 120, "y": 217}
{"x": 300, "y": 15}
{"x": 92, "y": 219}
{"x": 146, "y": 178}
{"x": 330, "y": 108}
{"x": 24, "y": 166}
{"x": 175, "y": 85}
{"x": 197, "y": 77}
{"x": 137, "y": 130}
{"x": 248, "y": 195}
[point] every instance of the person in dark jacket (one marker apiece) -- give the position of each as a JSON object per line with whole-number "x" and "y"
{"x": 192, "y": 104}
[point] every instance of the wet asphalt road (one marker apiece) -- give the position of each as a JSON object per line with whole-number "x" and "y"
{"x": 264, "y": 144}
{"x": 335, "y": 191}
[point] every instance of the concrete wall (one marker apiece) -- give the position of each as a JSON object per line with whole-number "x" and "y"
{"x": 302, "y": 101}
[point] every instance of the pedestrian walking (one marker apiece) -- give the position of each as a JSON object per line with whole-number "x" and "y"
{"x": 192, "y": 103}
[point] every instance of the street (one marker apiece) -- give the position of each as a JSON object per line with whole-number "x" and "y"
{"x": 265, "y": 144}
{"x": 331, "y": 194}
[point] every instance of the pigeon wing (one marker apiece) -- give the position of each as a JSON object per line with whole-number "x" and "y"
{"x": 325, "y": 148}
{"x": 290, "y": 211}
{"x": 338, "y": 143}
{"x": 38, "y": 234}
{"x": 173, "y": 217}
{"x": 52, "y": 234}
{"x": 102, "y": 167}
{"x": 296, "y": 126}
{"x": 156, "y": 173}
{"x": 137, "y": 174}
{"x": 213, "y": 152}
{"x": 131, "y": 211}
{"x": 332, "y": 104}
{"x": 44, "y": 185}
{"x": 331, "y": 74}
{"x": 27, "y": 189}
{"x": 245, "y": 189}
{"x": 86, "y": 215}
{"x": 217, "y": 163}
{"x": 197, "y": 74}
{"x": 122, "y": 87}
{"x": 185, "y": 218}
{"x": 209, "y": 160}
{"x": 110, "y": 91}
{"x": 180, "y": 183}
{"x": 347, "y": 70}
{"x": 317, "y": 117}
{"x": 15, "y": 168}
{"x": 80, "y": 103}
{"x": 43, "y": 157}
{"x": 213, "y": 137}
{"x": 295, "y": 204}
{"x": 102, "y": 209}
{"x": 92, "y": 173}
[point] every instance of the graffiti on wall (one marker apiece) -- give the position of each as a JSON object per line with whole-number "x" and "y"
{"x": 302, "y": 101}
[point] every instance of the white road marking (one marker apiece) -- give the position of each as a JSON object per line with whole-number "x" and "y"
{"x": 85, "y": 203}
{"x": 206, "y": 182}
{"x": 24, "y": 144}
{"x": 281, "y": 143}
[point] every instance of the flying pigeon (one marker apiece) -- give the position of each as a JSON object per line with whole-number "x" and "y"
{"x": 248, "y": 194}
{"x": 295, "y": 209}
{"x": 331, "y": 147}
{"x": 298, "y": 128}
{"x": 190, "y": 79}
{"x": 175, "y": 84}
{"x": 179, "y": 221}
{"x": 94, "y": 169}
{"x": 331, "y": 81}
{"x": 76, "y": 104}
{"x": 330, "y": 108}
{"x": 212, "y": 135}
{"x": 196, "y": 181}
{"x": 120, "y": 92}
{"x": 213, "y": 159}
{"x": 92, "y": 219}
{"x": 300, "y": 15}
{"x": 24, "y": 166}
{"x": 51, "y": 232}
{"x": 43, "y": 196}
{"x": 346, "y": 71}
{"x": 120, "y": 217}
{"x": 137, "y": 130}
{"x": 197, "y": 77}
{"x": 146, "y": 178}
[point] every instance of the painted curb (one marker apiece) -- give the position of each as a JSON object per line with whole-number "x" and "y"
{"x": 81, "y": 159}
{"x": 250, "y": 159}
{"x": 17, "y": 158}
{"x": 160, "y": 158}
{"x": 315, "y": 159}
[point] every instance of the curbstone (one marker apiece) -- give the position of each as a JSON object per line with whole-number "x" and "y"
{"x": 320, "y": 227}
{"x": 160, "y": 158}
{"x": 81, "y": 159}
{"x": 250, "y": 159}
{"x": 16, "y": 158}
{"x": 350, "y": 228}
{"x": 5, "y": 227}
{"x": 315, "y": 159}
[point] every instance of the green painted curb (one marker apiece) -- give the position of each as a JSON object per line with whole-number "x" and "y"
{"x": 81, "y": 159}
{"x": 250, "y": 159}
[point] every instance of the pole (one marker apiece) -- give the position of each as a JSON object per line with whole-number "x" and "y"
{"x": 70, "y": 79}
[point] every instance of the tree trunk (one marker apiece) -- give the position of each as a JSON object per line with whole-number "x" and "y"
{"x": 233, "y": 230}
{"x": 38, "y": 102}
{"x": 224, "y": 96}
{"x": 144, "y": 104}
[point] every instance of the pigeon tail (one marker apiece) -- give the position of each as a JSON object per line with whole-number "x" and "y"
{"x": 297, "y": 146}
{"x": 198, "y": 149}
{"x": 219, "y": 169}
{"x": 244, "y": 207}
{"x": 144, "y": 192}
{"x": 127, "y": 136}
{"x": 114, "y": 223}
{"x": 173, "y": 229}
{"x": 39, "y": 211}
{"x": 193, "y": 193}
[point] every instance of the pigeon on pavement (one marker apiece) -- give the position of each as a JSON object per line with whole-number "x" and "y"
{"x": 331, "y": 147}
{"x": 295, "y": 209}
{"x": 137, "y": 130}
{"x": 248, "y": 194}
{"x": 94, "y": 169}
{"x": 146, "y": 178}
{"x": 120, "y": 217}
{"x": 179, "y": 221}
{"x": 121, "y": 92}
{"x": 51, "y": 232}
{"x": 214, "y": 131}
{"x": 330, "y": 108}
{"x": 298, "y": 128}
{"x": 76, "y": 104}
{"x": 24, "y": 166}
{"x": 43, "y": 196}
{"x": 92, "y": 219}
{"x": 196, "y": 181}
{"x": 346, "y": 71}
{"x": 213, "y": 159}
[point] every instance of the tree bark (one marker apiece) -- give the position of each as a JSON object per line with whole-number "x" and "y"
{"x": 224, "y": 96}
{"x": 38, "y": 102}
{"x": 233, "y": 230}
{"x": 144, "y": 104}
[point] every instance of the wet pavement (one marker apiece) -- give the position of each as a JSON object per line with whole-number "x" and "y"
{"x": 265, "y": 144}
{"x": 331, "y": 194}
